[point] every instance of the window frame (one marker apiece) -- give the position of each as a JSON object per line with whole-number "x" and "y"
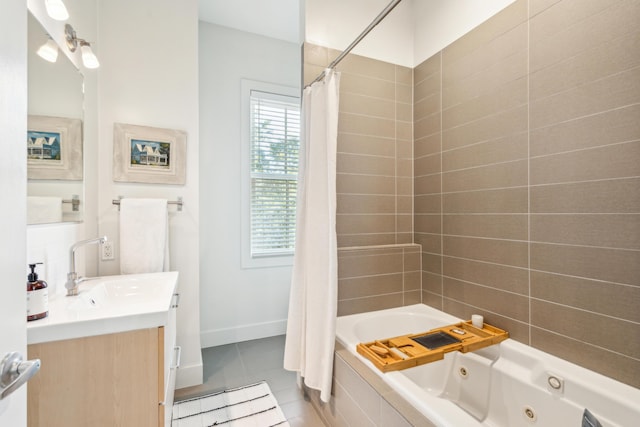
{"x": 262, "y": 260}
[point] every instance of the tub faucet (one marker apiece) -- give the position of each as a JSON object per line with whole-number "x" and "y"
{"x": 72, "y": 277}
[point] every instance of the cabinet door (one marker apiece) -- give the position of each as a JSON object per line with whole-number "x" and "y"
{"x": 171, "y": 362}
{"x": 106, "y": 380}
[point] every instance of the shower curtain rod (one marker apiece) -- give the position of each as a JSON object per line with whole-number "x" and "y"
{"x": 353, "y": 44}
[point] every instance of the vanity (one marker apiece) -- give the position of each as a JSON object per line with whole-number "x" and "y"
{"x": 108, "y": 354}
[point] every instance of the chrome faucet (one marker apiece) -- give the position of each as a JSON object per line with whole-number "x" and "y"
{"x": 72, "y": 277}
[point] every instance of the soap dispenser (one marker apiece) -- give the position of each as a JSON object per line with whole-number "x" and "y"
{"x": 37, "y": 296}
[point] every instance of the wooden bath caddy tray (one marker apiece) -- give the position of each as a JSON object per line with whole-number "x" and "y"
{"x": 406, "y": 351}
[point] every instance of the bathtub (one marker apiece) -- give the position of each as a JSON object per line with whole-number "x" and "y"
{"x": 509, "y": 384}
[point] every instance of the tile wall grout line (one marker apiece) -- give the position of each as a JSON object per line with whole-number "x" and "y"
{"x": 584, "y": 310}
{"x": 574, "y": 245}
{"x": 573, "y": 338}
{"x": 578, "y": 118}
{"x": 529, "y": 166}
{"x": 364, "y": 174}
{"x": 621, "y": 178}
{"x": 485, "y": 310}
{"x": 395, "y": 166}
{"x": 404, "y": 286}
{"x": 481, "y": 285}
{"x": 346, "y": 153}
{"x": 413, "y": 170}
{"x": 441, "y": 186}
{"x": 479, "y": 119}
{"x": 485, "y": 262}
{"x": 584, "y": 278}
{"x": 485, "y": 141}
{"x": 581, "y": 150}
{"x": 342, "y": 132}
{"x": 484, "y": 165}
{"x": 479, "y": 190}
{"x": 395, "y": 152}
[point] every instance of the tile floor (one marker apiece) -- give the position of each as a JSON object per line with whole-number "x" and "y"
{"x": 234, "y": 365}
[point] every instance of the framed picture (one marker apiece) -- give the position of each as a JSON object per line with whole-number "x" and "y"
{"x": 54, "y": 148}
{"x": 147, "y": 154}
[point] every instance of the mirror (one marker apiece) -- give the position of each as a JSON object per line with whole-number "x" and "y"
{"x": 54, "y": 135}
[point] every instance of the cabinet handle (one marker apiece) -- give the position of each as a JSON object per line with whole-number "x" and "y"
{"x": 178, "y": 351}
{"x": 15, "y": 371}
{"x": 176, "y": 301}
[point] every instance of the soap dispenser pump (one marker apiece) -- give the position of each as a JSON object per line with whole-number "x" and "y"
{"x": 37, "y": 295}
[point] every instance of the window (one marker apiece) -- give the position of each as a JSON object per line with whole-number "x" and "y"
{"x": 272, "y": 130}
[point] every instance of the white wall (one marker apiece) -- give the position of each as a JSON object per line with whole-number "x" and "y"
{"x": 279, "y": 19}
{"x": 236, "y": 304}
{"x": 148, "y": 76}
{"x": 336, "y": 23}
{"x": 13, "y": 190}
{"x": 411, "y": 33}
{"x": 437, "y": 24}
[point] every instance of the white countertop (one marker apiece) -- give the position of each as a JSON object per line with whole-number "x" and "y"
{"x": 107, "y": 305}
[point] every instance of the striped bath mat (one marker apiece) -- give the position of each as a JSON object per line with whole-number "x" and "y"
{"x": 249, "y": 406}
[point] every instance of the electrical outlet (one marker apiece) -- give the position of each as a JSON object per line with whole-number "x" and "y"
{"x": 107, "y": 251}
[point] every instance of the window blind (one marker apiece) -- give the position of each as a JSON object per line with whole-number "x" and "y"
{"x": 275, "y": 142}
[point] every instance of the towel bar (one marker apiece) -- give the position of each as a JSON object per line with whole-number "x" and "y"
{"x": 75, "y": 202}
{"x": 178, "y": 202}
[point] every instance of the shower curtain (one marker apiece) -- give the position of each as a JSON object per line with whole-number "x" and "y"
{"x": 313, "y": 297}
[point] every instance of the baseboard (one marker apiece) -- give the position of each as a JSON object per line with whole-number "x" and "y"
{"x": 214, "y": 337}
{"x": 189, "y": 375}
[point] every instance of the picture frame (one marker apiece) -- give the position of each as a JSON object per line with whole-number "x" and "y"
{"x": 54, "y": 148}
{"x": 148, "y": 154}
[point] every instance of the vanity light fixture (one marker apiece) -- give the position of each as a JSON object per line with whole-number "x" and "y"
{"x": 56, "y": 10}
{"x": 89, "y": 59}
{"x": 48, "y": 51}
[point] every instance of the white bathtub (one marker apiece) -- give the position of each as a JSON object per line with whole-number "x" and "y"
{"x": 506, "y": 385}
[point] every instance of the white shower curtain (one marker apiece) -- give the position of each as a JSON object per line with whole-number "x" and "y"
{"x": 313, "y": 300}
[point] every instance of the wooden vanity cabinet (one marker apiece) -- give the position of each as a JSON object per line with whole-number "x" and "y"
{"x": 105, "y": 380}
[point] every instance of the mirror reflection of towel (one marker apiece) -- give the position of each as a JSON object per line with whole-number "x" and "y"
{"x": 42, "y": 210}
{"x": 144, "y": 236}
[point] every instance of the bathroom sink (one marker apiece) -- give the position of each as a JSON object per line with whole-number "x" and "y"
{"x": 107, "y": 293}
{"x": 105, "y": 305}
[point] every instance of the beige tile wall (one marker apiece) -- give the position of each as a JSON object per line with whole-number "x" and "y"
{"x": 427, "y": 116}
{"x": 511, "y": 160}
{"x": 527, "y": 178}
{"x": 375, "y": 148}
{"x": 378, "y": 264}
{"x": 376, "y": 278}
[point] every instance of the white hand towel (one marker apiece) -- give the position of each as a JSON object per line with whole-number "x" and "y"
{"x": 42, "y": 210}
{"x": 144, "y": 236}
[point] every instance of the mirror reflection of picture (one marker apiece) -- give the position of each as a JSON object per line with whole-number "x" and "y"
{"x": 54, "y": 148}
{"x": 43, "y": 146}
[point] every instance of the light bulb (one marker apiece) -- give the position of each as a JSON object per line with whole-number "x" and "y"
{"x": 56, "y": 10}
{"x": 48, "y": 51}
{"x": 89, "y": 59}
